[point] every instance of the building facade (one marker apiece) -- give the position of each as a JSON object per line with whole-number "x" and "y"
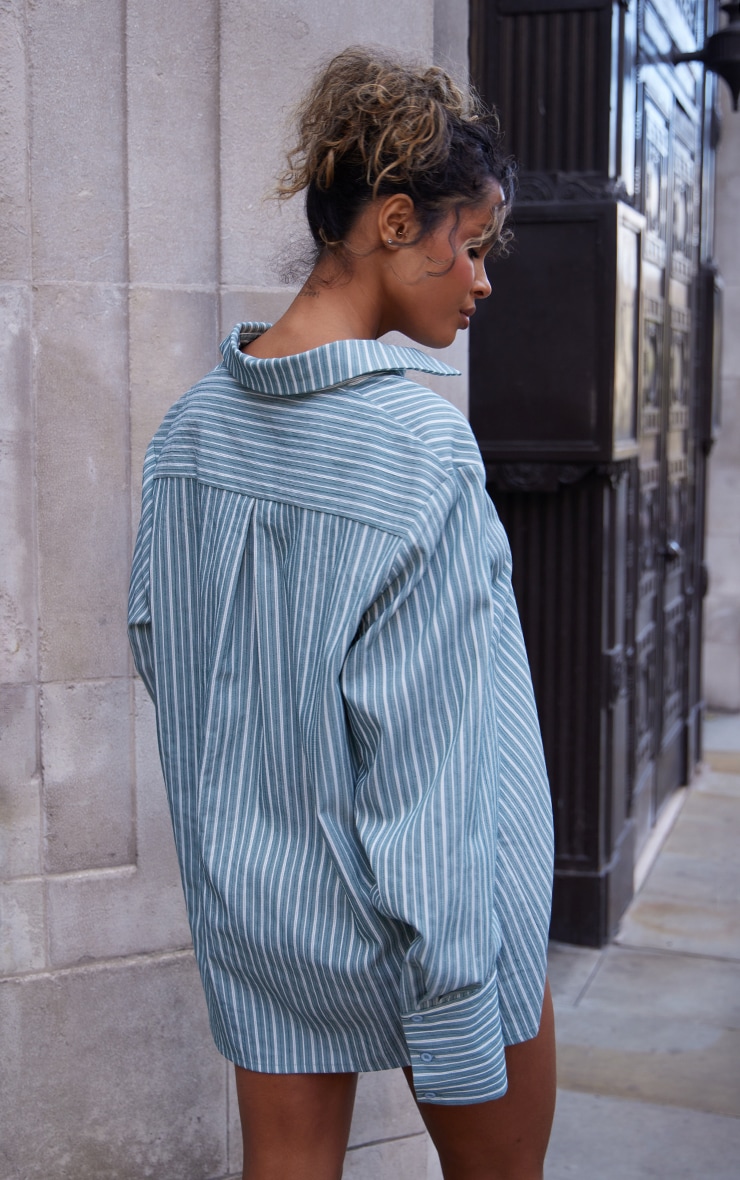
{"x": 137, "y": 143}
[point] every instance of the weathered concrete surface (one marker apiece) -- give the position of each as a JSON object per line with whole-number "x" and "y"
{"x": 81, "y": 383}
{"x": 89, "y": 1090}
{"x": 77, "y": 141}
{"x": 18, "y": 617}
{"x": 173, "y": 141}
{"x": 20, "y": 782}
{"x": 88, "y": 787}
{"x": 15, "y": 213}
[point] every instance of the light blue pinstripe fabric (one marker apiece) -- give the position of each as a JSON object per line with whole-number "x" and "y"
{"x": 321, "y": 609}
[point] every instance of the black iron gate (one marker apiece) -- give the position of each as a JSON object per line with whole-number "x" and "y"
{"x": 591, "y": 382}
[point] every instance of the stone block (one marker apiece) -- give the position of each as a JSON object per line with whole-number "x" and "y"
{"x": 130, "y": 911}
{"x": 722, "y": 621}
{"x": 114, "y": 1075}
{"x": 725, "y": 201}
{"x": 255, "y": 111}
{"x": 451, "y": 33}
{"x": 20, "y": 807}
{"x": 108, "y": 914}
{"x": 723, "y": 562}
{"x": 264, "y": 304}
{"x": 82, "y": 466}
{"x": 172, "y": 113}
{"x": 88, "y": 797}
{"x": 15, "y": 219}
{"x": 18, "y": 622}
{"x": 723, "y": 498}
{"x": 22, "y": 928}
{"x": 728, "y": 441}
{"x": 721, "y": 676}
{"x": 724, "y": 472}
{"x": 381, "y": 1161}
{"x": 728, "y": 158}
{"x": 78, "y": 166}
{"x": 727, "y": 233}
{"x": 384, "y": 1109}
{"x": 174, "y": 341}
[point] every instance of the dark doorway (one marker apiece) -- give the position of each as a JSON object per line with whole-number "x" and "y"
{"x": 591, "y": 380}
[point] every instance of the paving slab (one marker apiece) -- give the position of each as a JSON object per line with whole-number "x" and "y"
{"x": 659, "y": 1027}
{"x": 569, "y": 970}
{"x": 648, "y": 1028}
{"x": 690, "y": 900}
{"x": 616, "y": 1139}
{"x": 676, "y": 925}
{"x": 718, "y": 783}
{"x": 707, "y": 829}
{"x": 727, "y": 761}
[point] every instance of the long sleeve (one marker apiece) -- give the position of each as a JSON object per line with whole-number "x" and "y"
{"x": 420, "y": 701}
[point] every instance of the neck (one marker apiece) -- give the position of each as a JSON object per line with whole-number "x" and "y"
{"x": 332, "y": 305}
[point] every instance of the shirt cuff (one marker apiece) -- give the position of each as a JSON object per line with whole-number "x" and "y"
{"x": 456, "y": 1048}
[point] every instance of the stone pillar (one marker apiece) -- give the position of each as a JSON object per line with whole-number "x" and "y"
{"x": 722, "y": 607}
{"x": 136, "y": 145}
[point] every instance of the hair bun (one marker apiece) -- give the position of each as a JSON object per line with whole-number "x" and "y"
{"x": 372, "y": 124}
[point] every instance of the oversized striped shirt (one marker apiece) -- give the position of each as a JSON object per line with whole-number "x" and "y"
{"x": 321, "y": 608}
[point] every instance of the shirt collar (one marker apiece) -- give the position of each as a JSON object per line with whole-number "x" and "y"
{"x": 320, "y": 368}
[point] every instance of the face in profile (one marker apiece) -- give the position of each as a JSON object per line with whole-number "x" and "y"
{"x": 440, "y": 278}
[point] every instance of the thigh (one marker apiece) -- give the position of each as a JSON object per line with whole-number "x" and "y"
{"x": 295, "y": 1126}
{"x": 505, "y": 1139}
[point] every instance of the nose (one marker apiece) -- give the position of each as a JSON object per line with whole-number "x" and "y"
{"x": 481, "y": 286}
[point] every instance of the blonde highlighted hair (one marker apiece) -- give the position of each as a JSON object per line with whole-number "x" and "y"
{"x": 373, "y": 125}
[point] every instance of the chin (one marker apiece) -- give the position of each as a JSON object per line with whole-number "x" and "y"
{"x": 440, "y": 340}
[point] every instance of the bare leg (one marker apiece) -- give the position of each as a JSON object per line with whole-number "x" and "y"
{"x": 505, "y": 1139}
{"x": 295, "y": 1126}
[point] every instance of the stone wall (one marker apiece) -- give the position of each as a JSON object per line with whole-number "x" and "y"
{"x": 722, "y": 607}
{"x": 137, "y": 140}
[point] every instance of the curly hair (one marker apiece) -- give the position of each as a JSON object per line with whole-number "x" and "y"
{"x": 372, "y": 125}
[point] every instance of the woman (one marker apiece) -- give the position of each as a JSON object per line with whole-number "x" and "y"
{"x": 321, "y": 609}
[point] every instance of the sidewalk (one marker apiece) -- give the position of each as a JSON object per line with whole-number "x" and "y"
{"x": 649, "y": 1027}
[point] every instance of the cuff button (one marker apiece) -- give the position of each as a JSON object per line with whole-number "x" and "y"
{"x": 427, "y": 1056}
{"x": 417, "y": 1019}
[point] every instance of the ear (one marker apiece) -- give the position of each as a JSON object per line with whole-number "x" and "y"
{"x": 396, "y": 219}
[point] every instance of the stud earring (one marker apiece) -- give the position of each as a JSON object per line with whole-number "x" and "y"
{"x": 390, "y": 241}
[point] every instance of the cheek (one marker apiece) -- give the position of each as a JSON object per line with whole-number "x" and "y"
{"x": 464, "y": 271}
